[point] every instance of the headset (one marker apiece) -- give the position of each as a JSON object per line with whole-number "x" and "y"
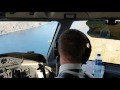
{"x": 86, "y": 55}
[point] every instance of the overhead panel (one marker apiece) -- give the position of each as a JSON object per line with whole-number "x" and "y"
{"x": 68, "y": 15}
{"x": 82, "y": 15}
{"x": 63, "y": 15}
{"x": 40, "y": 15}
{"x": 19, "y": 15}
{"x": 104, "y": 14}
{"x": 57, "y": 15}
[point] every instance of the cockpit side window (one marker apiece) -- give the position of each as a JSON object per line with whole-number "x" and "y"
{"x": 101, "y": 42}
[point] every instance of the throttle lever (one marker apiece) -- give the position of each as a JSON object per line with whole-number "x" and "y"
{"x": 42, "y": 68}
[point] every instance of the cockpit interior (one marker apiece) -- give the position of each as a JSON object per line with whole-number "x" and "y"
{"x": 28, "y": 40}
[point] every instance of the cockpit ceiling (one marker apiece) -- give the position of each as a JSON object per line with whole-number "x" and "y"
{"x": 61, "y": 15}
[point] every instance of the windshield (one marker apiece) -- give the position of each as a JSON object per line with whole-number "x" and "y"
{"x": 25, "y": 36}
{"x": 108, "y": 48}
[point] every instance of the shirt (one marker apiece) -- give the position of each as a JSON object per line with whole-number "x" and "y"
{"x": 67, "y": 68}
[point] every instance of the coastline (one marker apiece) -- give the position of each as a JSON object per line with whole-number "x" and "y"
{"x": 10, "y": 27}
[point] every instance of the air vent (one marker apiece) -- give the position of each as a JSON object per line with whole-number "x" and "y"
{"x": 69, "y": 16}
{"x": 31, "y": 13}
{"x": 12, "y": 12}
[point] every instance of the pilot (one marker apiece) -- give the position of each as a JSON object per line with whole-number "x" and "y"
{"x": 74, "y": 49}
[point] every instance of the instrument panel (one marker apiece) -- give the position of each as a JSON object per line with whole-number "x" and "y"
{"x": 10, "y": 67}
{"x": 19, "y": 72}
{"x": 10, "y": 61}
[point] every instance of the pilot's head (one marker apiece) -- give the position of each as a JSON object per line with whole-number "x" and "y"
{"x": 72, "y": 47}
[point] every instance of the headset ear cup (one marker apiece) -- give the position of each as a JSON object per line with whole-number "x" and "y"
{"x": 84, "y": 57}
{"x": 87, "y": 53}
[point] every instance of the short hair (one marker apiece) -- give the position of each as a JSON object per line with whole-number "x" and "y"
{"x": 72, "y": 45}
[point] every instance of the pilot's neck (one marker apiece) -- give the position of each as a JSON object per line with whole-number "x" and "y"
{"x": 63, "y": 60}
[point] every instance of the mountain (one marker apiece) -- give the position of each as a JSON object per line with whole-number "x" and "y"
{"x": 12, "y": 26}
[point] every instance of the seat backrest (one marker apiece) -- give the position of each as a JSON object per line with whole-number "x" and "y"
{"x": 67, "y": 75}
